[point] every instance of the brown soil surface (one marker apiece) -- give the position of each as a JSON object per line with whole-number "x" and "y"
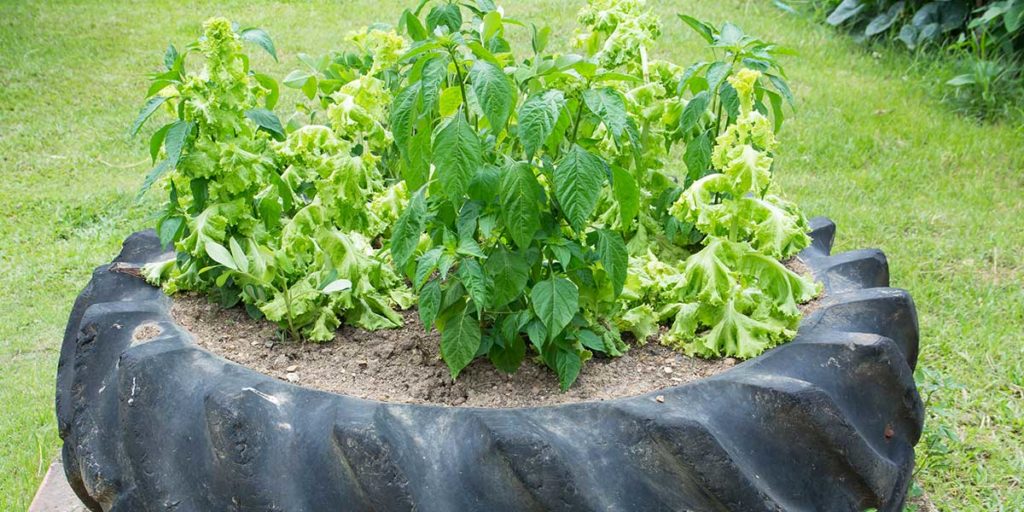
{"x": 404, "y": 365}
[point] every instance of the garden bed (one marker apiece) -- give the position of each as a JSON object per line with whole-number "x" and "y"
{"x": 404, "y": 365}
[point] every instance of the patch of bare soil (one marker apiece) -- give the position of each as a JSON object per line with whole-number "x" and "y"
{"x": 404, "y": 365}
{"x": 920, "y": 503}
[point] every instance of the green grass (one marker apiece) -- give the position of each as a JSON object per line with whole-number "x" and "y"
{"x": 870, "y": 147}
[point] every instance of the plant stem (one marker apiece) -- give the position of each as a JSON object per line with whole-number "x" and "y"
{"x": 579, "y": 116}
{"x": 462, "y": 84}
{"x": 288, "y": 307}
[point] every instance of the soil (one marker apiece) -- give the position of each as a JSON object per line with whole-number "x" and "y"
{"x": 404, "y": 365}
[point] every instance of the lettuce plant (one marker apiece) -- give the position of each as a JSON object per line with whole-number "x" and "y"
{"x": 282, "y": 222}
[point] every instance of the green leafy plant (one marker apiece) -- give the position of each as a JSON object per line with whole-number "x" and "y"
{"x": 546, "y": 169}
{"x": 282, "y": 222}
{"x": 915, "y": 22}
{"x": 529, "y": 200}
{"x": 985, "y": 37}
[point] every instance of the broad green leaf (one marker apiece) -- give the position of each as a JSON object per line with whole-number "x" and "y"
{"x": 170, "y": 57}
{"x": 177, "y": 137}
{"x": 433, "y": 75}
{"x": 731, "y": 36}
{"x": 485, "y": 184}
{"x": 626, "y": 193}
{"x": 460, "y": 341}
{"x": 450, "y": 101}
{"x": 718, "y": 71}
{"x": 611, "y": 252}
{"x": 730, "y": 100}
{"x": 273, "y": 90}
{"x": 509, "y": 274}
{"x": 147, "y": 110}
{"x": 469, "y": 247}
{"x": 457, "y": 156}
{"x": 520, "y": 211}
{"x": 491, "y": 25}
{"x": 218, "y": 253}
{"x": 337, "y": 286}
{"x": 698, "y": 156}
{"x": 168, "y": 230}
{"x": 157, "y": 86}
{"x": 157, "y": 140}
{"x": 567, "y": 365}
{"x": 174, "y": 142}
{"x": 473, "y": 278}
{"x": 693, "y": 111}
{"x": 539, "y": 38}
{"x": 238, "y": 255}
{"x": 884, "y": 20}
{"x": 406, "y": 234}
{"x": 447, "y": 15}
{"x": 403, "y": 115}
{"x": 591, "y": 341}
{"x": 537, "y": 333}
{"x": 1014, "y": 17}
{"x": 482, "y": 53}
{"x": 429, "y": 303}
{"x": 509, "y": 357}
{"x": 699, "y": 27}
{"x": 778, "y": 115}
{"x": 609, "y": 106}
{"x": 782, "y": 87}
{"x": 537, "y": 118}
{"x": 266, "y": 120}
{"x": 579, "y": 177}
{"x": 413, "y": 26}
{"x": 555, "y": 301}
{"x": 404, "y": 111}
{"x": 426, "y": 265}
{"x": 494, "y": 91}
{"x": 297, "y": 79}
{"x": 260, "y": 38}
{"x": 152, "y": 178}
{"x": 844, "y": 11}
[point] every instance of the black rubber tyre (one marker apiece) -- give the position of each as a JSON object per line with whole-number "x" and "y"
{"x": 826, "y": 422}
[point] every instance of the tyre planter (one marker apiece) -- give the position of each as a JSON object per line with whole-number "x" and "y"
{"x": 825, "y": 422}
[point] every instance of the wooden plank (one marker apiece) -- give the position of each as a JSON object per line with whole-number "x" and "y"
{"x": 55, "y": 495}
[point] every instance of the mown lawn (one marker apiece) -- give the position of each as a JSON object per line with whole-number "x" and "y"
{"x": 869, "y": 146}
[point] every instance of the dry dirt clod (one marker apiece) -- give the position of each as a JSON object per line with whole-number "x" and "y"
{"x": 292, "y": 369}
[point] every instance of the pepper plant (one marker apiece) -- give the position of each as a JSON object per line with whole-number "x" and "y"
{"x": 540, "y": 170}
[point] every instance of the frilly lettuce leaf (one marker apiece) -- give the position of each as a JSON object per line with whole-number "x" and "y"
{"x": 739, "y": 334}
{"x": 641, "y": 320}
{"x": 781, "y": 228}
{"x": 708, "y": 275}
{"x": 784, "y": 287}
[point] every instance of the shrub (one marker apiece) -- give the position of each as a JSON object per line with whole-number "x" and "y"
{"x": 987, "y": 37}
{"x": 529, "y": 198}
